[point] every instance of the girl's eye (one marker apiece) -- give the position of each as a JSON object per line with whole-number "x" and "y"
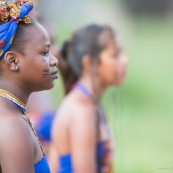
{"x": 45, "y": 53}
{"x": 116, "y": 54}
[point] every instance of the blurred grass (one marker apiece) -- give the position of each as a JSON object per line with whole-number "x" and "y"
{"x": 140, "y": 113}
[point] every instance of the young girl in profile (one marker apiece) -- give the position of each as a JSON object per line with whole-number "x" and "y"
{"x": 92, "y": 60}
{"x": 26, "y": 66}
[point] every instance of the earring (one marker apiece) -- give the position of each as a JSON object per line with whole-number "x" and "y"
{"x": 17, "y": 67}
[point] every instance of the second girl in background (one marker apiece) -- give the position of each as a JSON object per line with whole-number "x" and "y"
{"x": 91, "y": 61}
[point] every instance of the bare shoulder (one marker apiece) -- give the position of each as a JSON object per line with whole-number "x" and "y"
{"x": 73, "y": 113}
{"x": 73, "y": 110}
{"x": 14, "y": 130}
{"x": 15, "y": 143}
{"x": 12, "y": 126}
{"x": 75, "y": 123}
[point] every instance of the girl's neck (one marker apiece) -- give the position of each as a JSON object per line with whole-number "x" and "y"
{"x": 93, "y": 86}
{"x": 16, "y": 91}
{"x": 88, "y": 87}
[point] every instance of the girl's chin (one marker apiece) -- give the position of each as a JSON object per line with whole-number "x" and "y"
{"x": 50, "y": 86}
{"x": 119, "y": 83}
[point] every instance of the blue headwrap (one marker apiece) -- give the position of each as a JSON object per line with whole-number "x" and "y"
{"x": 16, "y": 11}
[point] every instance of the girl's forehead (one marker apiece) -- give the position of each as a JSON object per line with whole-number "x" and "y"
{"x": 38, "y": 37}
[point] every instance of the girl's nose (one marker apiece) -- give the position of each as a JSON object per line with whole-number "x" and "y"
{"x": 53, "y": 61}
{"x": 125, "y": 60}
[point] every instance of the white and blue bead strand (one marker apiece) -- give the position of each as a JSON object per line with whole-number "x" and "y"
{"x": 22, "y": 108}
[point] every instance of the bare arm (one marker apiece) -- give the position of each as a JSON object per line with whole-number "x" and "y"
{"x": 16, "y": 147}
{"x": 53, "y": 158}
{"x": 83, "y": 139}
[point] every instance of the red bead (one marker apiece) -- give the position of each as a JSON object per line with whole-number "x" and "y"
{"x": 14, "y": 18}
{"x": 2, "y": 43}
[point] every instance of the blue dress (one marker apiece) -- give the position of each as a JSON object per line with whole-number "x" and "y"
{"x": 42, "y": 166}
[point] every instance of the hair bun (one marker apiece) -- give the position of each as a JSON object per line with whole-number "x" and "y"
{"x": 64, "y": 50}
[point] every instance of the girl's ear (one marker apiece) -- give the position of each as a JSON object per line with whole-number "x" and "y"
{"x": 86, "y": 62}
{"x": 11, "y": 61}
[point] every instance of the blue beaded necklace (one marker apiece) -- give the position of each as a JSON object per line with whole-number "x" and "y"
{"x": 5, "y": 94}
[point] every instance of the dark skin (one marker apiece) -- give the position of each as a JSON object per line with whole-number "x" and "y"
{"x": 23, "y": 73}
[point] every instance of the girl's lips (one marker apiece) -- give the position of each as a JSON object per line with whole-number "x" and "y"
{"x": 54, "y": 74}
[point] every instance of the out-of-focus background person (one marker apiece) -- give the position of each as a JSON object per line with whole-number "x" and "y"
{"x": 92, "y": 61}
{"x": 140, "y": 113}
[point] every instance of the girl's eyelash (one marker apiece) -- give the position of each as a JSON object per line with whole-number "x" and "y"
{"x": 45, "y": 53}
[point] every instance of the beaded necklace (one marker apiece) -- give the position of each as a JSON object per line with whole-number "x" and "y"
{"x": 7, "y": 95}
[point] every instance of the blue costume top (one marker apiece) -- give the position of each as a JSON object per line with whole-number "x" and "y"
{"x": 103, "y": 155}
{"x": 42, "y": 166}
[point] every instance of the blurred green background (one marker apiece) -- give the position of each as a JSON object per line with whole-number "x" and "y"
{"x": 140, "y": 113}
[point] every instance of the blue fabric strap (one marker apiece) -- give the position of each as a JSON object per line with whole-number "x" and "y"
{"x": 83, "y": 89}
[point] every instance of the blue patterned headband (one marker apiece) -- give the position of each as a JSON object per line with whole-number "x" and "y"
{"x": 11, "y": 13}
